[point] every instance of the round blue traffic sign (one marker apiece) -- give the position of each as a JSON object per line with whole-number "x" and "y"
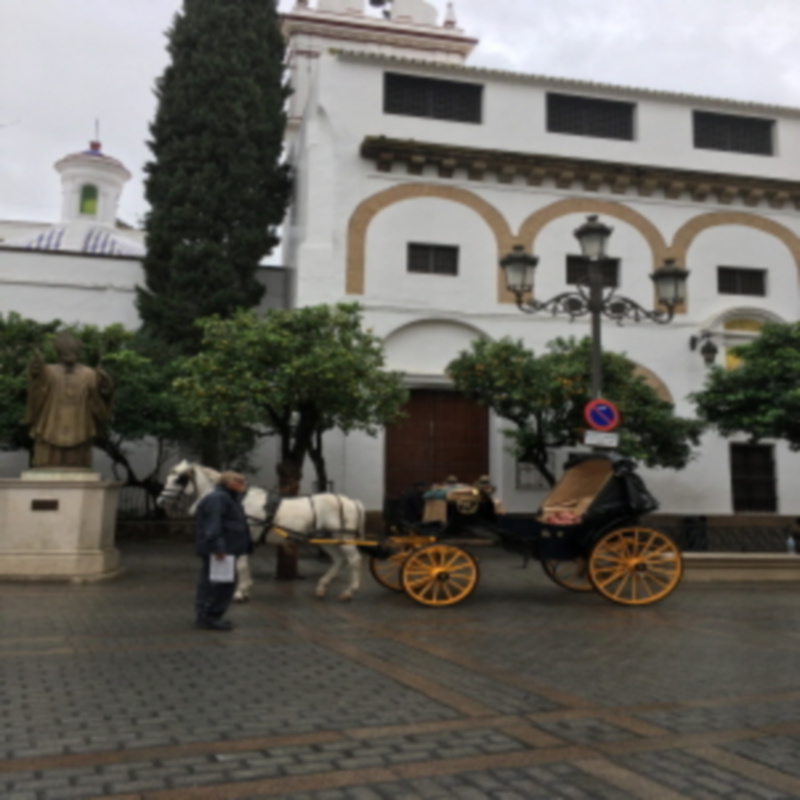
{"x": 602, "y": 415}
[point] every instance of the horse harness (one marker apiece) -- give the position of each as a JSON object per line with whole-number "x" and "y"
{"x": 271, "y": 507}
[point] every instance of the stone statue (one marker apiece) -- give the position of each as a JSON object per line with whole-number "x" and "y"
{"x": 68, "y": 405}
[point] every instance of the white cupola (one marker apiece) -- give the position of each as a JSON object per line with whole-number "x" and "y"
{"x": 91, "y": 185}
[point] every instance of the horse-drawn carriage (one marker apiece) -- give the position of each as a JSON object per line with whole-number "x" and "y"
{"x": 586, "y": 535}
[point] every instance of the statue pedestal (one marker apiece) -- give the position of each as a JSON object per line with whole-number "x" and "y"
{"x": 58, "y": 523}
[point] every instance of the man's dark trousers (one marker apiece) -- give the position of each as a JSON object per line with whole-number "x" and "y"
{"x": 212, "y": 599}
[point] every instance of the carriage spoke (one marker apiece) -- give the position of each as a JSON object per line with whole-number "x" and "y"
{"x": 449, "y": 593}
{"x": 667, "y": 547}
{"x": 615, "y": 576}
{"x": 622, "y": 584}
{"x": 659, "y": 580}
{"x": 572, "y": 574}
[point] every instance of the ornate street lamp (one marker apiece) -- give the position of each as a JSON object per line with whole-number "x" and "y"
{"x": 589, "y": 296}
{"x": 593, "y": 237}
{"x": 708, "y": 350}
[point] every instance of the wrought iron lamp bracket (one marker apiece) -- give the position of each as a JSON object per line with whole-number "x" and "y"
{"x": 578, "y": 304}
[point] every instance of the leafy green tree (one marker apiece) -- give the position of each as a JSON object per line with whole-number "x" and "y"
{"x": 215, "y": 186}
{"x": 761, "y": 396}
{"x": 145, "y": 409}
{"x": 295, "y": 374}
{"x": 544, "y": 397}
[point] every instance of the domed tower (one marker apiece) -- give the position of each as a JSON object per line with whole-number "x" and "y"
{"x": 91, "y": 185}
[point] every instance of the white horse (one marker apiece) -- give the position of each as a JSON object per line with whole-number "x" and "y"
{"x": 338, "y": 516}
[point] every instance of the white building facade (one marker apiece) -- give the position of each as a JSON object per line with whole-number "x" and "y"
{"x": 415, "y": 174}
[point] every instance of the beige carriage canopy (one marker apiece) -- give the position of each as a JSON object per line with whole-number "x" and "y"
{"x": 578, "y": 488}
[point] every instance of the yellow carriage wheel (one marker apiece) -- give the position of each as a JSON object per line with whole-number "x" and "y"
{"x": 635, "y": 566}
{"x": 440, "y": 575}
{"x": 387, "y": 570}
{"x": 572, "y": 575}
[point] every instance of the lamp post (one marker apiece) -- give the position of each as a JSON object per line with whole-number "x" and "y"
{"x": 589, "y": 296}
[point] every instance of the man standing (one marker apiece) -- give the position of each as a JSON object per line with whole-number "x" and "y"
{"x": 221, "y": 531}
{"x": 68, "y": 405}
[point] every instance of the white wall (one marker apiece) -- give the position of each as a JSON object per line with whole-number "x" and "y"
{"x": 515, "y": 119}
{"x": 70, "y": 287}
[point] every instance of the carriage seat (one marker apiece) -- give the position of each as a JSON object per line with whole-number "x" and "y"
{"x": 571, "y": 497}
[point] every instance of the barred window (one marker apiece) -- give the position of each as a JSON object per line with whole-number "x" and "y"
{"x": 753, "y": 477}
{"x": 742, "y": 280}
{"x": 587, "y": 116}
{"x": 733, "y": 133}
{"x": 433, "y": 259}
{"x": 578, "y": 271}
{"x": 435, "y": 99}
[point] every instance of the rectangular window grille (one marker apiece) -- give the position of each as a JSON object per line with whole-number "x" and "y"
{"x": 753, "y": 477}
{"x": 587, "y": 116}
{"x": 578, "y": 272}
{"x": 732, "y": 133}
{"x": 741, "y": 280}
{"x": 433, "y": 259}
{"x": 434, "y": 99}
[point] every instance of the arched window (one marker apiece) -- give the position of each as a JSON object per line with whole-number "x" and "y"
{"x": 739, "y": 331}
{"x": 88, "y": 200}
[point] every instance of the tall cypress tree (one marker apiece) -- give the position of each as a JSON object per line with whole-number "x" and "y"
{"x": 216, "y": 188}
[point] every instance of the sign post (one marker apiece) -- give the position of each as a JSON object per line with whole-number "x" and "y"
{"x": 602, "y": 416}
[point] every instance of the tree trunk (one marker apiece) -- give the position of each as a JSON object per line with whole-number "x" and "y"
{"x": 289, "y": 477}
{"x": 318, "y": 460}
{"x": 210, "y": 450}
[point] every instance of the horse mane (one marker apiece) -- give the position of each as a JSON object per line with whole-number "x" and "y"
{"x": 210, "y": 472}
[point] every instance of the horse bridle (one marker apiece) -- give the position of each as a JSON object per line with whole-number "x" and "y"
{"x": 172, "y": 496}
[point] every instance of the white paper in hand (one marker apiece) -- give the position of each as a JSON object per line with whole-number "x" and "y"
{"x": 222, "y": 570}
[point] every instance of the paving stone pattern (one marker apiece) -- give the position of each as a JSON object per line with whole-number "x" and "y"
{"x": 779, "y": 752}
{"x": 503, "y": 699}
{"x": 523, "y": 691}
{"x": 535, "y": 783}
{"x": 693, "y": 777}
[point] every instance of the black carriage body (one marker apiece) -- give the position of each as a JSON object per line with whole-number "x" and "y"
{"x": 604, "y": 489}
{"x": 606, "y": 551}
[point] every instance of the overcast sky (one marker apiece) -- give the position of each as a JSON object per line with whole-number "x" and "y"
{"x": 65, "y": 63}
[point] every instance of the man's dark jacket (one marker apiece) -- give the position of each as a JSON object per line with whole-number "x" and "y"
{"x": 222, "y": 524}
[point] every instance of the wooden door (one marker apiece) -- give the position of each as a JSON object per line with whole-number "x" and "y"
{"x": 442, "y": 434}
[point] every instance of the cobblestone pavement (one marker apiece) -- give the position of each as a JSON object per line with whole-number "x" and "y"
{"x": 525, "y": 690}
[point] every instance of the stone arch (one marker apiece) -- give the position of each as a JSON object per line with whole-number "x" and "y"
{"x": 690, "y": 230}
{"x": 454, "y": 321}
{"x": 426, "y": 346}
{"x": 537, "y": 221}
{"x": 763, "y": 315}
{"x": 651, "y": 379}
{"x": 367, "y": 210}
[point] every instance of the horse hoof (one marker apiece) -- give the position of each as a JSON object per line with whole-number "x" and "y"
{"x": 345, "y": 596}
{"x": 320, "y": 593}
